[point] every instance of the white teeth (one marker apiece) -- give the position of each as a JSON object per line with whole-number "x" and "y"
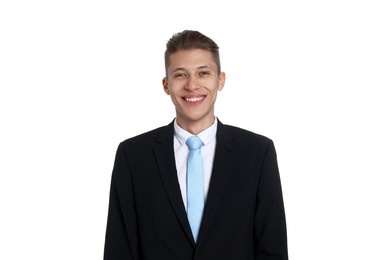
{"x": 194, "y": 99}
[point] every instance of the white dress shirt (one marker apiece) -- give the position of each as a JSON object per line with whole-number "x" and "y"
{"x": 182, "y": 150}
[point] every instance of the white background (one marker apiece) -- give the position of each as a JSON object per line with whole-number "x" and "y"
{"x": 78, "y": 77}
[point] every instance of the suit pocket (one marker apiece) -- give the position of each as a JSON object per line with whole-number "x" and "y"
{"x": 235, "y": 191}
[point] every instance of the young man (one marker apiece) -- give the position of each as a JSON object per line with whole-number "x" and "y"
{"x": 221, "y": 200}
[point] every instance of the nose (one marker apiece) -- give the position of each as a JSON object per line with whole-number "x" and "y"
{"x": 191, "y": 84}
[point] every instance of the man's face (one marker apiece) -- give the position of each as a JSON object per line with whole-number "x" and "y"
{"x": 193, "y": 82}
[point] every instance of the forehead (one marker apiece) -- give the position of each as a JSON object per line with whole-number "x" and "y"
{"x": 191, "y": 59}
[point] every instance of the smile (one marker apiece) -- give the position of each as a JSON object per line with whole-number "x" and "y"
{"x": 194, "y": 99}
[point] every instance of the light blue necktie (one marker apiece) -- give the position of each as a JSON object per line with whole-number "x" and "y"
{"x": 195, "y": 197}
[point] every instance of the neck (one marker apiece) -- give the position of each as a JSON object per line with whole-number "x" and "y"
{"x": 195, "y": 127}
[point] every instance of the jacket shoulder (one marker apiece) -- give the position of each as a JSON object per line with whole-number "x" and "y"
{"x": 250, "y": 144}
{"x": 147, "y": 139}
{"x": 247, "y": 136}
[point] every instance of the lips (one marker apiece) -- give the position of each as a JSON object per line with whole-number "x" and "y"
{"x": 194, "y": 99}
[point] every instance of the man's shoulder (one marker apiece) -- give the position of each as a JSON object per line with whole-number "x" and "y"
{"x": 146, "y": 138}
{"x": 249, "y": 142}
{"x": 245, "y": 134}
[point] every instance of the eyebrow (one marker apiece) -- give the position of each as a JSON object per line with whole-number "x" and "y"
{"x": 200, "y": 67}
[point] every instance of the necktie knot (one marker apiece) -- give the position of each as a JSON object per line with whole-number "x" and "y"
{"x": 194, "y": 143}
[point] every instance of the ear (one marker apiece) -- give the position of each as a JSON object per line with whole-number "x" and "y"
{"x": 221, "y": 80}
{"x": 165, "y": 85}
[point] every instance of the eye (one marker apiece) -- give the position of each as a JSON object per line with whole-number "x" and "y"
{"x": 204, "y": 73}
{"x": 179, "y": 75}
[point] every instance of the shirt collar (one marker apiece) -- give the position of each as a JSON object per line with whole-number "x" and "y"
{"x": 206, "y": 135}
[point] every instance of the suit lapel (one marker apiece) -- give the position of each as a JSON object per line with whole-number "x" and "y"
{"x": 165, "y": 157}
{"x": 224, "y": 157}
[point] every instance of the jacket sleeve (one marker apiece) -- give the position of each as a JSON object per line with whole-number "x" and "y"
{"x": 121, "y": 240}
{"x": 270, "y": 229}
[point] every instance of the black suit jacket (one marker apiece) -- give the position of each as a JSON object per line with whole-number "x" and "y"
{"x": 243, "y": 216}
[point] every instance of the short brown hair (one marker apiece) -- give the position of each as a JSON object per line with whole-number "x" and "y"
{"x": 188, "y": 40}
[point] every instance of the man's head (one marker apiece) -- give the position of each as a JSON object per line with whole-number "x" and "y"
{"x": 189, "y": 40}
{"x": 193, "y": 79}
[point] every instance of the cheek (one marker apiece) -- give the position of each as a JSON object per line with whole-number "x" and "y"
{"x": 216, "y": 89}
{"x": 173, "y": 88}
